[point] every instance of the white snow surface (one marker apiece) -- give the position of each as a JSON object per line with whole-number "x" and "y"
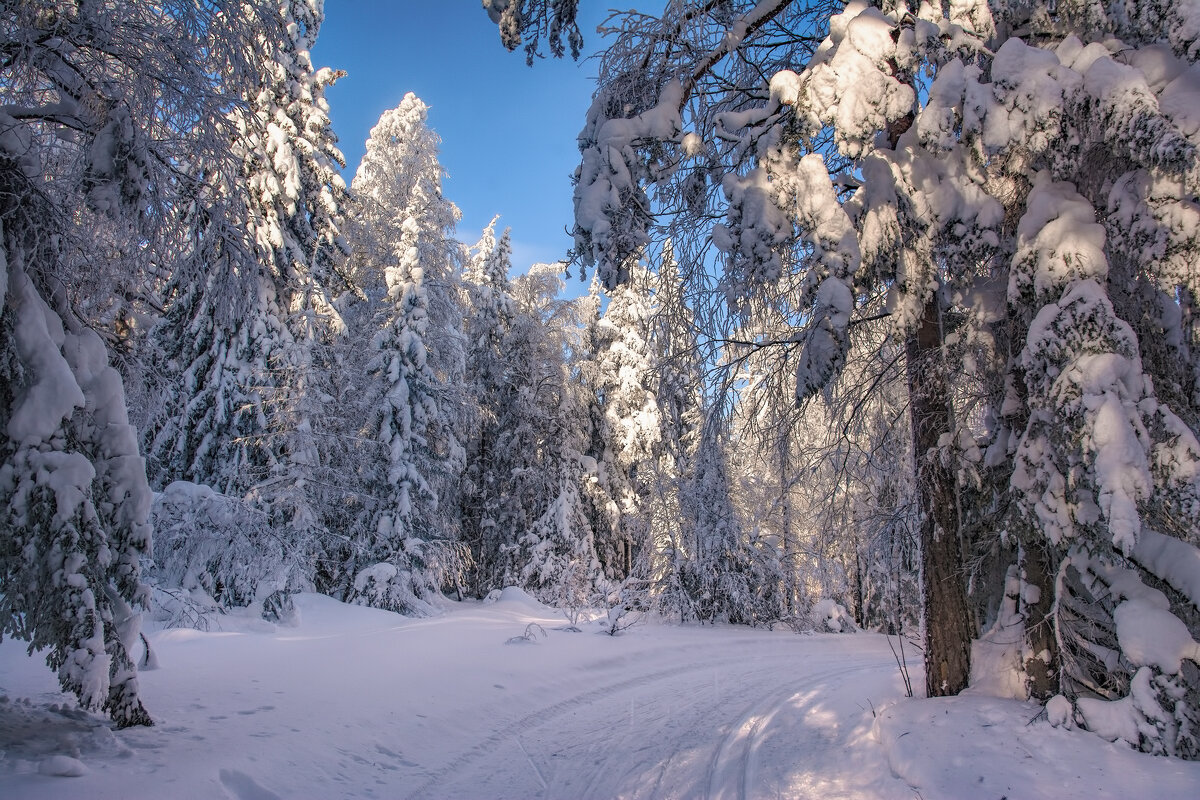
{"x": 356, "y": 702}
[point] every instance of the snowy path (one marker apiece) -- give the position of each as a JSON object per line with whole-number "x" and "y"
{"x": 708, "y": 725}
{"x": 358, "y": 703}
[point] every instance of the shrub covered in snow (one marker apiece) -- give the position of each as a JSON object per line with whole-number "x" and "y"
{"x": 830, "y": 615}
{"x": 221, "y": 551}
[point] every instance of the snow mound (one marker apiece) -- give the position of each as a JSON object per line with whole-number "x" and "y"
{"x": 63, "y": 767}
{"x": 829, "y": 615}
{"x": 517, "y": 599}
{"x": 318, "y": 612}
{"x": 988, "y": 747}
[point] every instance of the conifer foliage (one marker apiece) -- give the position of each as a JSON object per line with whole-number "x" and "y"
{"x": 242, "y": 348}
{"x": 406, "y": 259}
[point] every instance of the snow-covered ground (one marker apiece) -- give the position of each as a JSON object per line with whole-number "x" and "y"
{"x": 354, "y": 702}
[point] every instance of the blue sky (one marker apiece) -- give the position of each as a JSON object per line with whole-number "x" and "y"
{"x": 508, "y": 131}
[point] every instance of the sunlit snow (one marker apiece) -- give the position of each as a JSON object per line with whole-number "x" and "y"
{"x": 357, "y": 702}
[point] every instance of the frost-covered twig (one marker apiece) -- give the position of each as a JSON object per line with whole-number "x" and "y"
{"x": 530, "y": 636}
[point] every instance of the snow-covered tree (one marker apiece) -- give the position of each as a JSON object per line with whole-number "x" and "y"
{"x": 555, "y": 556}
{"x": 622, "y": 384}
{"x": 490, "y": 313}
{"x": 292, "y": 170}
{"x": 717, "y": 574}
{"x": 676, "y": 364}
{"x": 523, "y": 513}
{"x": 405, "y": 256}
{"x": 531, "y": 21}
{"x": 244, "y": 342}
{"x": 98, "y": 105}
{"x": 901, "y": 156}
{"x": 215, "y": 552}
{"x": 1043, "y": 148}
{"x": 829, "y": 483}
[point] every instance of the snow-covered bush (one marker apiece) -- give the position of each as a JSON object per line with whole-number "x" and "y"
{"x": 830, "y": 616}
{"x": 429, "y": 568}
{"x": 221, "y": 551}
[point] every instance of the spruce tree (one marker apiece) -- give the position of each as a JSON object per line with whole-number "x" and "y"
{"x": 405, "y": 256}
{"x": 245, "y": 339}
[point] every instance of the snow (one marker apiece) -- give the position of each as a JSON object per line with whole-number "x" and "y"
{"x": 1031, "y": 85}
{"x": 39, "y": 408}
{"x": 1113, "y": 720}
{"x": 358, "y": 702}
{"x": 1154, "y": 637}
{"x": 987, "y": 747}
{"x": 830, "y": 615}
{"x": 1060, "y": 242}
{"x": 996, "y": 667}
{"x": 62, "y": 767}
{"x": 1060, "y": 712}
{"x": 1180, "y": 101}
{"x": 852, "y": 86}
{"x": 1173, "y": 560}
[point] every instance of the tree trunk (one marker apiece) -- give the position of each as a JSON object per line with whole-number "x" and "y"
{"x": 1037, "y": 560}
{"x": 948, "y": 626}
{"x": 1041, "y": 669}
{"x": 860, "y": 611}
{"x": 791, "y": 606}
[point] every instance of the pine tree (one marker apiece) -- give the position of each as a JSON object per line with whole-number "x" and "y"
{"x": 716, "y": 573}
{"x": 676, "y": 360}
{"x": 491, "y": 312}
{"x": 292, "y": 169}
{"x": 629, "y": 427}
{"x": 523, "y": 513}
{"x": 554, "y": 555}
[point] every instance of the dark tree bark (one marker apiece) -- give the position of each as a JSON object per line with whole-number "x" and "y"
{"x": 948, "y": 622}
{"x": 1041, "y": 669}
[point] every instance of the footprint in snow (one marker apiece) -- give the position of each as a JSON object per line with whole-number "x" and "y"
{"x": 392, "y": 754}
{"x": 248, "y": 712}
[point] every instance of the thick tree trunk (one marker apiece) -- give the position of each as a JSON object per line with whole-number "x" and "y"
{"x": 1037, "y": 559}
{"x": 1041, "y": 669}
{"x": 948, "y": 625}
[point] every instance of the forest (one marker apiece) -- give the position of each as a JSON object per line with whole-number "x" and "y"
{"x": 892, "y": 325}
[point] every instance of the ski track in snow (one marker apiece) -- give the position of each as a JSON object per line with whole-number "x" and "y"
{"x": 683, "y": 738}
{"x": 732, "y": 772}
{"x": 541, "y": 718}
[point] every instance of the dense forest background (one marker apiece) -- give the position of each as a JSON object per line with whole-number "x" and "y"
{"x": 892, "y": 324}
